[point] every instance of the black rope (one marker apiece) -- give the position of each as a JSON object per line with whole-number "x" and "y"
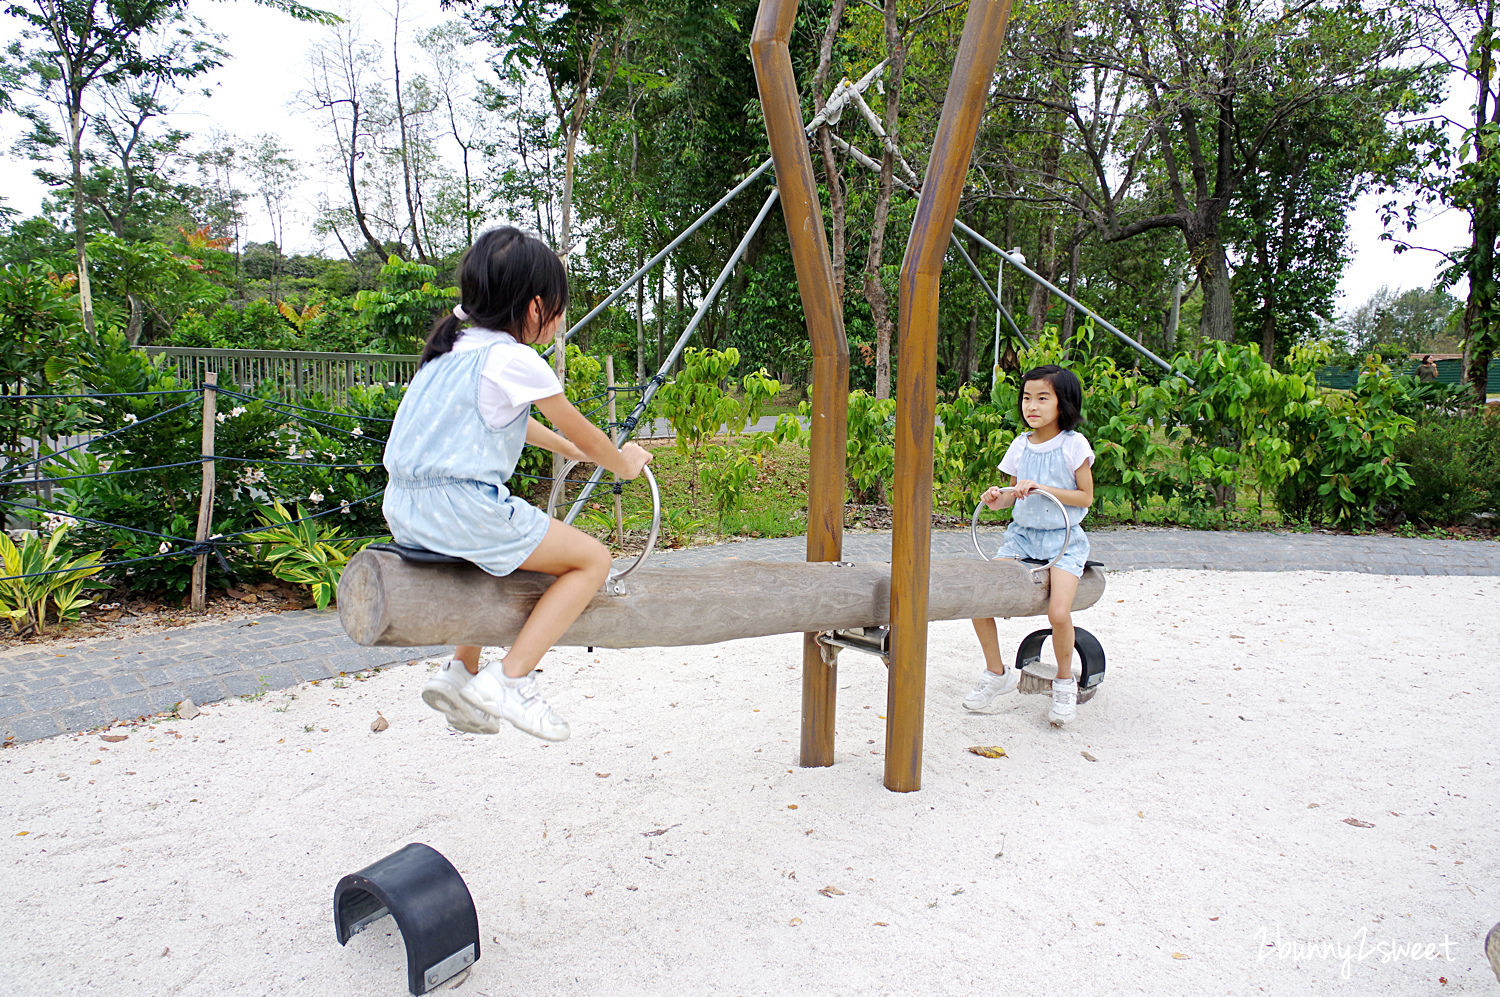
{"x": 291, "y": 463}
{"x": 292, "y": 522}
{"x": 101, "y": 566}
{"x": 117, "y": 394}
{"x": 106, "y": 474}
{"x": 5, "y": 471}
{"x": 299, "y": 408}
{"x": 95, "y": 522}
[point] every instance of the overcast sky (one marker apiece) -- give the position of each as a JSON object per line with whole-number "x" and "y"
{"x": 256, "y": 92}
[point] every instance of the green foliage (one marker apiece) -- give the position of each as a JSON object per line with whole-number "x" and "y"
{"x": 162, "y": 285}
{"x": 400, "y": 310}
{"x": 59, "y": 579}
{"x": 310, "y": 552}
{"x": 41, "y": 346}
{"x": 1454, "y": 462}
{"x": 699, "y": 410}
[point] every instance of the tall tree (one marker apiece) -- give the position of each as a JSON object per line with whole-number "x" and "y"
{"x": 68, "y": 48}
{"x": 1190, "y": 93}
{"x": 1466, "y": 175}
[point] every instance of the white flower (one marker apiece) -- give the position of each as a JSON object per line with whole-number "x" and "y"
{"x": 237, "y": 411}
{"x": 315, "y": 497}
{"x": 164, "y": 547}
{"x": 357, "y": 431}
{"x": 130, "y": 418}
{"x": 54, "y": 522}
{"x": 344, "y": 506}
{"x": 291, "y": 454}
{"x": 220, "y": 417}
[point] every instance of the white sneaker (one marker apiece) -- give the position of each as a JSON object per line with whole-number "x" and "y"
{"x": 1492, "y": 949}
{"x": 991, "y": 687}
{"x": 443, "y": 692}
{"x": 516, "y": 701}
{"x": 1064, "y": 701}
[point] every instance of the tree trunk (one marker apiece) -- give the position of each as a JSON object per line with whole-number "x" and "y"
{"x": 837, "y": 206}
{"x": 1207, "y": 253}
{"x": 406, "y": 165}
{"x": 80, "y": 237}
{"x": 879, "y": 301}
{"x": 1480, "y": 321}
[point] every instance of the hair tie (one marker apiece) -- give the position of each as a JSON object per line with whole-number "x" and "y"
{"x": 460, "y": 314}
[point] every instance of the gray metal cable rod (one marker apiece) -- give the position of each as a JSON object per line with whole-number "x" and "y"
{"x": 994, "y": 298}
{"x": 678, "y": 347}
{"x": 864, "y": 160}
{"x": 869, "y": 163}
{"x": 832, "y": 109}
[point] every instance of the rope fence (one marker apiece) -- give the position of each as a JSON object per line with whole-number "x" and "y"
{"x": 208, "y": 543}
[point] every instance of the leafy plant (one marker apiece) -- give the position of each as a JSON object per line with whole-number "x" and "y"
{"x": 398, "y": 312}
{"x": 57, "y": 578}
{"x": 305, "y": 553}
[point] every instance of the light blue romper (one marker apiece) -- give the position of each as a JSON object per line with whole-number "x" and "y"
{"x": 1036, "y": 527}
{"x": 448, "y": 470}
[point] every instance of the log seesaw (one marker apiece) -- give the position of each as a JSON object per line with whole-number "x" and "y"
{"x": 394, "y": 596}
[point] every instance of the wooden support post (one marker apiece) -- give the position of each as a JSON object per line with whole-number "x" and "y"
{"x": 911, "y": 501}
{"x": 609, "y": 391}
{"x": 781, "y": 104}
{"x": 206, "y": 495}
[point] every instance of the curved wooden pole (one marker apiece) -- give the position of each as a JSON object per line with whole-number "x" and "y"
{"x": 947, "y": 169}
{"x": 777, "y": 83}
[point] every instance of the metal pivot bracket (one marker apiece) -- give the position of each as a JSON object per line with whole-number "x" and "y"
{"x": 430, "y": 903}
{"x": 870, "y": 640}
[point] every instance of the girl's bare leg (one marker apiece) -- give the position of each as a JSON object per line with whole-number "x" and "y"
{"x": 580, "y": 564}
{"x": 989, "y": 643}
{"x": 1060, "y": 614}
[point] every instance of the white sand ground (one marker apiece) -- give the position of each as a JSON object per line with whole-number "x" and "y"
{"x": 673, "y": 845}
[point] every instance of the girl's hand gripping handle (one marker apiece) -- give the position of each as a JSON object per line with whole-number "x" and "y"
{"x": 635, "y": 457}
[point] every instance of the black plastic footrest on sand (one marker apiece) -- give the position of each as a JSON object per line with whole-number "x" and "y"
{"x": 430, "y": 903}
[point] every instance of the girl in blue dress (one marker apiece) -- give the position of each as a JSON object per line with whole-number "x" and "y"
{"x": 1051, "y": 458}
{"x": 458, "y": 434}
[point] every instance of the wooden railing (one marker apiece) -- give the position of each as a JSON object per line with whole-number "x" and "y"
{"x": 293, "y": 373}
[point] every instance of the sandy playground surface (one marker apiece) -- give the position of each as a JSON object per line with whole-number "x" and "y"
{"x": 1288, "y": 784}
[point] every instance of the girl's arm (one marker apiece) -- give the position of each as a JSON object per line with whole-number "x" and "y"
{"x": 1082, "y": 496}
{"x": 539, "y": 435}
{"x": 592, "y": 441}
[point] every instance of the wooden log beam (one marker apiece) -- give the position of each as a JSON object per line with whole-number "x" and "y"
{"x": 385, "y": 601}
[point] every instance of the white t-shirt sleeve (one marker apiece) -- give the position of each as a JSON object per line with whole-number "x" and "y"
{"x": 514, "y": 376}
{"x": 1011, "y": 462}
{"x": 1078, "y": 451}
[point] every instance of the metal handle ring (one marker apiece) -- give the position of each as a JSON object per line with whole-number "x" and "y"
{"x": 1067, "y": 535}
{"x": 615, "y": 574}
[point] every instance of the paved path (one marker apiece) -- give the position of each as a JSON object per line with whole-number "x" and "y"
{"x": 55, "y": 689}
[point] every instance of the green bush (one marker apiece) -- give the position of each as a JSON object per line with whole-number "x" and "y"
{"x": 1454, "y": 462}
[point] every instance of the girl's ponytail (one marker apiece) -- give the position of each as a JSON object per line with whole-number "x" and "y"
{"x": 441, "y": 337}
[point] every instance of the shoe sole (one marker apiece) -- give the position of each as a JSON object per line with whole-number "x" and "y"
{"x": 1492, "y": 949}
{"x": 443, "y": 700}
{"x": 480, "y": 706}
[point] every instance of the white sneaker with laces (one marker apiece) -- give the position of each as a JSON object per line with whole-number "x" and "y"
{"x": 991, "y": 687}
{"x": 1064, "y": 701}
{"x": 443, "y": 692}
{"x": 516, "y": 701}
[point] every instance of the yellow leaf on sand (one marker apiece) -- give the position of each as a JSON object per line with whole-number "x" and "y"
{"x": 991, "y": 751}
{"x": 1180, "y": 955}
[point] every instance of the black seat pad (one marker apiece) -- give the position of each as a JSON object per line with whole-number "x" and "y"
{"x": 418, "y": 555}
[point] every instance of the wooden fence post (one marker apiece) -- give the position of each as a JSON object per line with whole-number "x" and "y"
{"x": 609, "y": 391}
{"x": 206, "y": 495}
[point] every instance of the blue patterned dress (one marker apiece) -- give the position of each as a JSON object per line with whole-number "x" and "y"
{"x": 448, "y": 470}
